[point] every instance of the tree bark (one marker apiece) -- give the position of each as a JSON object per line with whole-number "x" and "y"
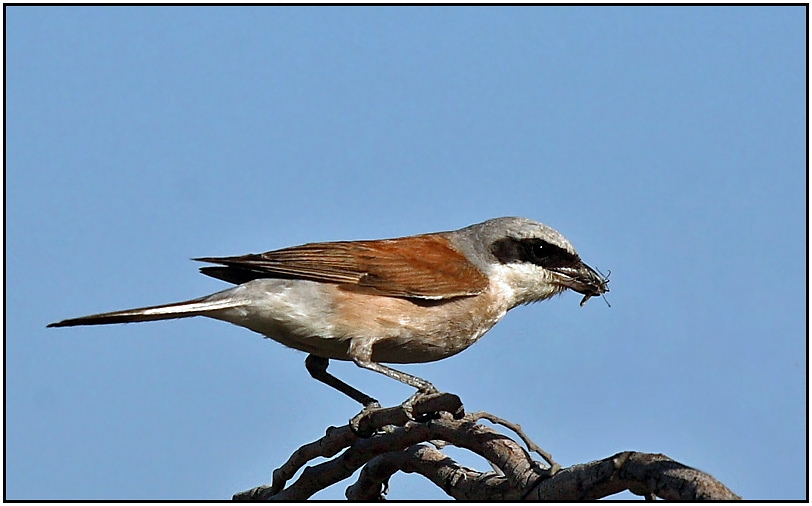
{"x": 400, "y": 444}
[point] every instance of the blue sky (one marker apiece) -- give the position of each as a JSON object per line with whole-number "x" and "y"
{"x": 668, "y": 144}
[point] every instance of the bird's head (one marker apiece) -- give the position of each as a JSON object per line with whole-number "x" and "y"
{"x": 532, "y": 261}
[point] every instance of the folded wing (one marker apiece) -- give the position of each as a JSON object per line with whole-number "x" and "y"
{"x": 423, "y": 266}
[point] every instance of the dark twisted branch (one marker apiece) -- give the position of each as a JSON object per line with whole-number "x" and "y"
{"x": 398, "y": 445}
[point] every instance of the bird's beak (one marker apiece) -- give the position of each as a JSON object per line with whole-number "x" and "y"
{"x": 583, "y": 279}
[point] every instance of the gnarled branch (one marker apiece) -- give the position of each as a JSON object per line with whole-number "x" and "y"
{"x": 399, "y": 444}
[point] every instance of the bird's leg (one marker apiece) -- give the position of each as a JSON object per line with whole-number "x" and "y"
{"x": 317, "y": 367}
{"x": 423, "y": 387}
{"x": 361, "y": 355}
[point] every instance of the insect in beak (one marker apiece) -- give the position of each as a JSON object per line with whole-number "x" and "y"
{"x": 598, "y": 282}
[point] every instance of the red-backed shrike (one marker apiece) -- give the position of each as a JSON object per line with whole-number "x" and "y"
{"x": 408, "y": 300}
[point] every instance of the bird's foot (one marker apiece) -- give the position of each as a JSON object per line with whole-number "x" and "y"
{"x": 423, "y": 407}
{"x": 420, "y": 407}
{"x": 408, "y": 406}
{"x": 357, "y": 427}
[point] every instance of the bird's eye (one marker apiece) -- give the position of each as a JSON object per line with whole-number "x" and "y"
{"x": 538, "y": 250}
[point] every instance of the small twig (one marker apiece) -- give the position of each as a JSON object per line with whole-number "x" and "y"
{"x": 454, "y": 479}
{"x": 515, "y": 427}
{"x": 334, "y": 440}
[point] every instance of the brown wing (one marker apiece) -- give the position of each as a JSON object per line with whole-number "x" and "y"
{"x": 423, "y": 266}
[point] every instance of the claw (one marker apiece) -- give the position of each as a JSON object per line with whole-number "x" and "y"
{"x": 355, "y": 422}
{"x": 408, "y": 405}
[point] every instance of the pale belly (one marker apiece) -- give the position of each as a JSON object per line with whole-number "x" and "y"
{"x": 323, "y": 319}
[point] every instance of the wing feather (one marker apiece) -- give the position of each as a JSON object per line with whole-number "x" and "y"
{"x": 423, "y": 266}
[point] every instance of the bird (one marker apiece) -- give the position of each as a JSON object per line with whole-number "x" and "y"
{"x": 414, "y": 299}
